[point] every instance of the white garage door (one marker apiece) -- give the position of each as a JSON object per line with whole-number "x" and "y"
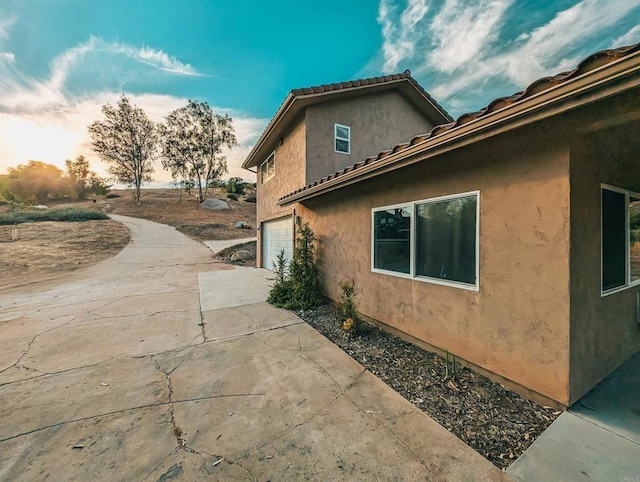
{"x": 277, "y": 235}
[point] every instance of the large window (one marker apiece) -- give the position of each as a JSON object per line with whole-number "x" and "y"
{"x": 268, "y": 168}
{"x": 434, "y": 240}
{"x": 342, "y": 138}
{"x": 620, "y": 239}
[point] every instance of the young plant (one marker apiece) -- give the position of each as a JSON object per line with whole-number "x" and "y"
{"x": 280, "y": 293}
{"x": 298, "y": 286}
{"x": 347, "y": 307}
{"x": 305, "y": 277}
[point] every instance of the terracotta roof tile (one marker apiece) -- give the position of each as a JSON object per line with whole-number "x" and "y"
{"x": 590, "y": 63}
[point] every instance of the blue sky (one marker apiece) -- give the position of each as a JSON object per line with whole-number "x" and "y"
{"x": 60, "y": 60}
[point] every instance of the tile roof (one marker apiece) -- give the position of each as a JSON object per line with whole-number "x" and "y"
{"x": 590, "y": 63}
{"x": 301, "y": 97}
{"x": 320, "y": 89}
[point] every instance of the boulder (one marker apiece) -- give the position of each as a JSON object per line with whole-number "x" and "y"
{"x": 214, "y": 204}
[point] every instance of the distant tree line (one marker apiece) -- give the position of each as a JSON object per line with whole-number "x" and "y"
{"x": 189, "y": 144}
{"x": 36, "y": 182}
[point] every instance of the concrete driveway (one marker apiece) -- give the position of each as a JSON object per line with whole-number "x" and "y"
{"x": 160, "y": 365}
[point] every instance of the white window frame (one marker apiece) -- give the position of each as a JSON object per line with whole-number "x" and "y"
{"x": 627, "y": 226}
{"x": 413, "y": 241}
{"x": 266, "y": 162}
{"x": 336, "y": 138}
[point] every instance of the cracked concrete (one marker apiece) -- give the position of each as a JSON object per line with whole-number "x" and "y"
{"x": 160, "y": 365}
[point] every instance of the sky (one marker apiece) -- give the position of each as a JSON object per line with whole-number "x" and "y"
{"x": 61, "y": 60}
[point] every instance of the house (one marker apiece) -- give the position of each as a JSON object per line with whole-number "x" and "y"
{"x": 510, "y": 237}
{"x": 319, "y": 130}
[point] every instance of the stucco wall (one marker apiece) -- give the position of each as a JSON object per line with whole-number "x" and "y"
{"x": 517, "y": 325}
{"x": 605, "y": 330}
{"x": 377, "y": 122}
{"x": 289, "y": 176}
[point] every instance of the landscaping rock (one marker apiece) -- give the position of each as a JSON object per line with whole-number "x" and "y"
{"x": 214, "y": 204}
{"x": 241, "y": 225}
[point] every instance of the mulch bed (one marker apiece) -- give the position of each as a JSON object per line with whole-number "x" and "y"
{"x": 495, "y": 422}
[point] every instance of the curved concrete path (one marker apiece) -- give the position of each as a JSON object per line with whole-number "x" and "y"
{"x": 160, "y": 365}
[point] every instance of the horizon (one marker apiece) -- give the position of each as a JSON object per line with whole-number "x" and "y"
{"x": 59, "y": 63}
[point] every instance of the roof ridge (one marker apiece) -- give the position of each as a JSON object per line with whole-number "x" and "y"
{"x": 542, "y": 84}
{"x": 347, "y": 84}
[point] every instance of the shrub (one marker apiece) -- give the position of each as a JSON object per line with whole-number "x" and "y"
{"x": 347, "y": 307}
{"x": 281, "y": 290}
{"x": 298, "y": 288}
{"x": 57, "y": 214}
{"x": 251, "y": 199}
{"x": 112, "y": 195}
{"x": 232, "y": 196}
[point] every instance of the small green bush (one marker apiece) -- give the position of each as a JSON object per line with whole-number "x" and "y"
{"x": 298, "y": 288}
{"x": 232, "y": 196}
{"x": 281, "y": 290}
{"x": 347, "y": 307}
{"x": 112, "y": 195}
{"x": 56, "y": 214}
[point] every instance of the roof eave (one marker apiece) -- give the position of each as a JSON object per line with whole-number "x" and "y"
{"x": 292, "y": 99}
{"x": 598, "y": 83}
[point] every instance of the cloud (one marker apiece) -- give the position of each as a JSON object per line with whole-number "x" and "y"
{"x": 461, "y": 31}
{"x": 5, "y": 24}
{"x": 467, "y": 53}
{"x": 44, "y": 119}
{"x": 400, "y": 37}
{"x": 629, "y": 38}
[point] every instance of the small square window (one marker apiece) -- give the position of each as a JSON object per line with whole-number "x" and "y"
{"x": 342, "y": 139}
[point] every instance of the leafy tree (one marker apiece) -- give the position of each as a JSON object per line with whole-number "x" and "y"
{"x": 81, "y": 180}
{"x": 192, "y": 141}
{"x": 34, "y": 182}
{"x": 77, "y": 174}
{"x": 126, "y": 140}
{"x": 235, "y": 185}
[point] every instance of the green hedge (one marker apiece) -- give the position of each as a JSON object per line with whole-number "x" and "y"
{"x": 55, "y": 214}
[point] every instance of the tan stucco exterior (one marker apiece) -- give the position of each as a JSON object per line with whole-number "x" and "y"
{"x": 306, "y": 151}
{"x": 605, "y": 330}
{"x": 377, "y": 122}
{"x": 538, "y": 320}
{"x": 517, "y": 324}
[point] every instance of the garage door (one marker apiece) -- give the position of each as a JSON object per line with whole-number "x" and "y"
{"x": 277, "y": 235}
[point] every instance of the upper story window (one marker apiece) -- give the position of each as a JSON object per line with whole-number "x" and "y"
{"x": 434, "y": 240}
{"x": 268, "y": 168}
{"x": 620, "y": 238}
{"x": 342, "y": 139}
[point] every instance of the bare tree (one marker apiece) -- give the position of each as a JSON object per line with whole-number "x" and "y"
{"x": 126, "y": 140}
{"x": 192, "y": 141}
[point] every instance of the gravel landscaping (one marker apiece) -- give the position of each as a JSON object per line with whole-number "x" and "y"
{"x": 494, "y": 421}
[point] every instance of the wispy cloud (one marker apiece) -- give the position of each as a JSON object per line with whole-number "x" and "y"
{"x": 631, "y": 37}
{"x": 460, "y": 31}
{"x": 463, "y": 52}
{"x": 5, "y": 24}
{"x": 45, "y": 119}
{"x": 399, "y": 35}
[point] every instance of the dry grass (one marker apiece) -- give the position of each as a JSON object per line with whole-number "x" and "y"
{"x": 47, "y": 248}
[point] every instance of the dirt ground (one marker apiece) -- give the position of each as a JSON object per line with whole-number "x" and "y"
{"x": 50, "y": 249}
{"x": 167, "y": 206}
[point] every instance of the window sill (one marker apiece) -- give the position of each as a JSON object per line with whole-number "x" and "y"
{"x": 613, "y": 291}
{"x": 425, "y": 279}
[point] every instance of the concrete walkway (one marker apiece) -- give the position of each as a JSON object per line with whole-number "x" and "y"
{"x": 159, "y": 365}
{"x": 598, "y": 438}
